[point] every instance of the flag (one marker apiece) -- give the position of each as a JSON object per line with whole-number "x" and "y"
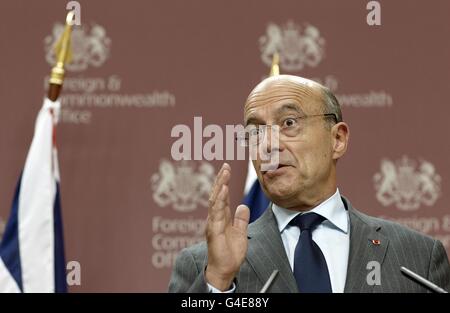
{"x": 32, "y": 249}
{"x": 254, "y": 196}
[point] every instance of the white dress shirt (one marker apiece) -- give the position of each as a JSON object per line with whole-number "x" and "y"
{"x": 332, "y": 236}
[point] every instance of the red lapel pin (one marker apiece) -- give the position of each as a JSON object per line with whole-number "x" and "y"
{"x": 376, "y": 242}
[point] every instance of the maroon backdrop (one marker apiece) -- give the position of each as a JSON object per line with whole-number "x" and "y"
{"x": 141, "y": 67}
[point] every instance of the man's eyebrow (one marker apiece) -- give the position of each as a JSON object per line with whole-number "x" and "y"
{"x": 253, "y": 120}
{"x": 289, "y": 107}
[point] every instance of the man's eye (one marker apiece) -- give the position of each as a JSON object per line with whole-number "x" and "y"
{"x": 289, "y": 122}
{"x": 254, "y": 132}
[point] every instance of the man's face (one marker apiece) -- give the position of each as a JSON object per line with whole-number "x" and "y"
{"x": 306, "y": 164}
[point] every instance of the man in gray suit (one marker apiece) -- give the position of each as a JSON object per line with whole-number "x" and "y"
{"x": 311, "y": 234}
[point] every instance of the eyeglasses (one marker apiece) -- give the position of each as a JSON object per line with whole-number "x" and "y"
{"x": 288, "y": 127}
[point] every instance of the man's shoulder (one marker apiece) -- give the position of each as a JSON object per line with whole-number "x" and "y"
{"x": 394, "y": 231}
{"x": 388, "y": 226}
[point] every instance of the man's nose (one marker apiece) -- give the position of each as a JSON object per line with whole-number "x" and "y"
{"x": 271, "y": 140}
{"x": 270, "y": 149}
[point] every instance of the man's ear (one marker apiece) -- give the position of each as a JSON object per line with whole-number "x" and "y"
{"x": 340, "y": 135}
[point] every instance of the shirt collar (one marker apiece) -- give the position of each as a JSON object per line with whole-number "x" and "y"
{"x": 332, "y": 209}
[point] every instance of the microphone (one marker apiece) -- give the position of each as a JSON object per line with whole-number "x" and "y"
{"x": 410, "y": 274}
{"x": 269, "y": 282}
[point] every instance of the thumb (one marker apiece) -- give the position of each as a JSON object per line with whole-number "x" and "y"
{"x": 241, "y": 217}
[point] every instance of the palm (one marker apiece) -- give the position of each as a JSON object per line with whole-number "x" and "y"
{"x": 227, "y": 247}
{"x": 226, "y": 235}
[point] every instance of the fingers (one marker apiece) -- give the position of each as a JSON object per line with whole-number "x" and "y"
{"x": 241, "y": 218}
{"x": 214, "y": 189}
{"x": 220, "y": 199}
{"x": 223, "y": 177}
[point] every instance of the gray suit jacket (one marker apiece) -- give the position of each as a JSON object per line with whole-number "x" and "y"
{"x": 399, "y": 246}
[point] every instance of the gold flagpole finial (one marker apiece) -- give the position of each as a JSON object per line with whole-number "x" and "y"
{"x": 275, "y": 68}
{"x": 63, "y": 52}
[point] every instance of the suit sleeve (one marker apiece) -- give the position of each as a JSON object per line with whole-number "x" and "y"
{"x": 187, "y": 277}
{"x": 439, "y": 270}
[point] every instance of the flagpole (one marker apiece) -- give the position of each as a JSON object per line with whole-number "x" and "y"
{"x": 63, "y": 55}
{"x": 32, "y": 249}
{"x": 275, "y": 68}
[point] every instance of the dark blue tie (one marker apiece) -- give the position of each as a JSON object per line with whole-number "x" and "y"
{"x": 310, "y": 267}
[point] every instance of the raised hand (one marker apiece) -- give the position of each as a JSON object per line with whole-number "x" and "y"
{"x": 226, "y": 236}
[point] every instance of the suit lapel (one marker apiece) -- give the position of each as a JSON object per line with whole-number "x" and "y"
{"x": 366, "y": 245}
{"x": 266, "y": 253}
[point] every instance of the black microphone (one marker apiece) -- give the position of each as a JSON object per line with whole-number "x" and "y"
{"x": 410, "y": 274}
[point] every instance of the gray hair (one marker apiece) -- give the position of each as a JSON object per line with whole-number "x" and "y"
{"x": 331, "y": 104}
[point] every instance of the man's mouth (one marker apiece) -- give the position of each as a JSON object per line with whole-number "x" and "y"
{"x": 280, "y": 169}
